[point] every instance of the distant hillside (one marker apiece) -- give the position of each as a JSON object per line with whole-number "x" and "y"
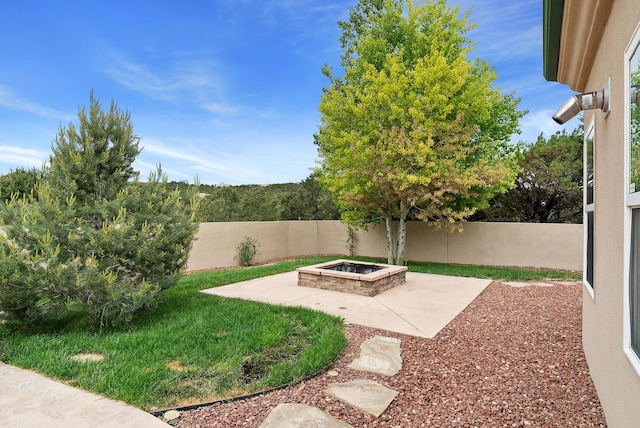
{"x": 253, "y": 202}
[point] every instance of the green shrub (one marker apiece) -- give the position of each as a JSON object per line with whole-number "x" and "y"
{"x": 247, "y": 249}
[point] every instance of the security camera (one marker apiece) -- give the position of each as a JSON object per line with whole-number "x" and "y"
{"x": 586, "y": 101}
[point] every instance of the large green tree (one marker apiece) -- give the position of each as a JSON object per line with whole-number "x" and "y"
{"x": 221, "y": 204}
{"x": 549, "y": 187}
{"x": 414, "y": 128}
{"x": 310, "y": 201}
{"x": 93, "y": 238}
{"x": 259, "y": 204}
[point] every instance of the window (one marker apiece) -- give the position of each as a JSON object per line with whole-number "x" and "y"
{"x": 634, "y": 124}
{"x": 632, "y": 173}
{"x": 634, "y": 279}
{"x": 589, "y": 208}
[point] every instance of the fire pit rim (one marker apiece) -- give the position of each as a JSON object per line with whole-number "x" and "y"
{"x": 321, "y": 269}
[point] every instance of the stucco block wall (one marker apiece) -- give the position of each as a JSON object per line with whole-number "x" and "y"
{"x": 216, "y": 244}
{"x": 537, "y": 245}
{"x": 616, "y": 381}
{"x": 557, "y": 246}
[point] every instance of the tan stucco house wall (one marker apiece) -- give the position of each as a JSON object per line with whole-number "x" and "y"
{"x": 593, "y": 38}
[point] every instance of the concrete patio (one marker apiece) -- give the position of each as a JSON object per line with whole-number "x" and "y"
{"x": 420, "y": 307}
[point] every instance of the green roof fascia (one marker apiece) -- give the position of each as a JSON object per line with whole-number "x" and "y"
{"x": 551, "y": 31}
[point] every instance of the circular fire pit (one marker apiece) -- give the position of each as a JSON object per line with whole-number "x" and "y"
{"x": 363, "y": 278}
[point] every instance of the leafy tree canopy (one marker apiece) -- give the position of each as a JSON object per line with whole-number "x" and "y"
{"x": 306, "y": 200}
{"x": 549, "y": 187}
{"x": 414, "y": 128}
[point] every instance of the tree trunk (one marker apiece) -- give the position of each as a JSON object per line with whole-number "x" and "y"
{"x": 390, "y": 254}
{"x": 402, "y": 234}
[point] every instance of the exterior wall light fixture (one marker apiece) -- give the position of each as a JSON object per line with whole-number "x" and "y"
{"x": 585, "y": 101}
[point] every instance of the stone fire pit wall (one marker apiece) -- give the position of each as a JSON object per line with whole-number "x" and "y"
{"x": 370, "y": 284}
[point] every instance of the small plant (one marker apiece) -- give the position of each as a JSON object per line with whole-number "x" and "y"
{"x": 247, "y": 249}
{"x": 351, "y": 239}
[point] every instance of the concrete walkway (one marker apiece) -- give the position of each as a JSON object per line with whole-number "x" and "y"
{"x": 420, "y": 307}
{"x": 30, "y": 400}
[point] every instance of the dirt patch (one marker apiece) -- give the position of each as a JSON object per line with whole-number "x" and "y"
{"x": 176, "y": 366}
{"x": 88, "y": 357}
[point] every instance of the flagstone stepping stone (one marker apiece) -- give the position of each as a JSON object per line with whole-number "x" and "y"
{"x": 528, "y": 284}
{"x": 172, "y": 417}
{"x": 293, "y": 415}
{"x": 517, "y": 284}
{"x": 568, "y": 282}
{"x": 542, "y": 284}
{"x": 379, "y": 355}
{"x": 365, "y": 395}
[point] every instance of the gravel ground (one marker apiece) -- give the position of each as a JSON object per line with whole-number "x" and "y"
{"x": 512, "y": 358}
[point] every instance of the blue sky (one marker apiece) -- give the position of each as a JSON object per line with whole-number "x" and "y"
{"x": 227, "y": 90}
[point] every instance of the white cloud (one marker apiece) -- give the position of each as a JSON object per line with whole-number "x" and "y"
{"x": 300, "y": 13}
{"x": 538, "y": 122}
{"x": 506, "y": 30}
{"x": 146, "y": 168}
{"x": 9, "y": 100}
{"x": 524, "y": 83}
{"x": 527, "y": 43}
{"x": 19, "y": 157}
{"x": 189, "y": 157}
{"x": 221, "y": 108}
{"x": 196, "y": 77}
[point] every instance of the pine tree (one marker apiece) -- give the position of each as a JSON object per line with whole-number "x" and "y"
{"x": 94, "y": 237}
{"x": 548, "y": 188}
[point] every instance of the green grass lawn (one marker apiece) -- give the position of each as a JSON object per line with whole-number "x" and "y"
{"x": 197, "y": 348}
{"x": 194, "y": 348}
{"x": 494, "y": 272}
